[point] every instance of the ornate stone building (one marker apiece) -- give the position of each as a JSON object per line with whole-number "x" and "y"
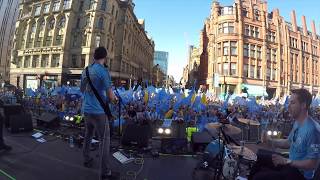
{"x": 247, "y": 46}
{"x": 55, "y": 39}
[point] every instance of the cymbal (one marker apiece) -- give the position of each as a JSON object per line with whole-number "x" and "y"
{"x": 249, "y": 122}
{"x": 227, "y": 128}
{"x": 246, "y": 153}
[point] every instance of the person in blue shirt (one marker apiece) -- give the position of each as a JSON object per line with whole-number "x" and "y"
{"x": 94, "y": 114}
{"x": 303, "y": 143}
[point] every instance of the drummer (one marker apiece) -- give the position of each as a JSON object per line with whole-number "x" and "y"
{"x": 303, "y": 141}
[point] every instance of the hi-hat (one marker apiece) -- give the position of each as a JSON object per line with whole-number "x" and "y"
{"x": 249, "y": 122}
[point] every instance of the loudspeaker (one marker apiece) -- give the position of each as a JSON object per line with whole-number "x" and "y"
{"x": 48, "y": 120}
{"x": 199, "y": 141}
{"x": 174, "y": 145}
{"x": 20, "y": 123}
{"x": 9, "y": 110}
{"x": 136, "y": 134}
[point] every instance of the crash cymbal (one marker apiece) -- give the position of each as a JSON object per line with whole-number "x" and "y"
{"x": 245, "y": 152}
{"x": 249, "y": 122}
{"x": 227, "y": 128}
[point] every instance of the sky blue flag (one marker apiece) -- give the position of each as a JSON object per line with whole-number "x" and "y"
{"x": 74, "y": 90}
{"x": 30, "y": 92}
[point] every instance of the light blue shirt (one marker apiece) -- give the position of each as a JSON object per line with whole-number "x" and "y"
{"x": 305, "y": 143}
{"x": 101, "y": 80}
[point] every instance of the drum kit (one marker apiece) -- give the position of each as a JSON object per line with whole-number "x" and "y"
{"x": 229, "y": 160}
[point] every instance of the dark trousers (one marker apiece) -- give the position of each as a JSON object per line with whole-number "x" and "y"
{"x": 100, "y": 124}
{"x": 1, "y": 131}
{"x": 264, "y": 169}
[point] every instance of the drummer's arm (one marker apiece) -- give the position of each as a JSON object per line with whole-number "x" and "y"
{"x": 280, "y": 143}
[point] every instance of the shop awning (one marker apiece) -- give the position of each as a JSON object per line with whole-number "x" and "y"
{"x": 255, "y": 90}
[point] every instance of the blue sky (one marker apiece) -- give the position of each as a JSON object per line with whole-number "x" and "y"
{"x": 175, "y": 24}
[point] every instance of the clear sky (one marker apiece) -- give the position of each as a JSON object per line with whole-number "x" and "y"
{"x": 175, "y": 24}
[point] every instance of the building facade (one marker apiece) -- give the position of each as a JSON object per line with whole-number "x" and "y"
{"x": 161, "y": 58}
{"x": 8, "y": 15}
{"x": 54, "y": 40}
{"x": 244, "y": 45}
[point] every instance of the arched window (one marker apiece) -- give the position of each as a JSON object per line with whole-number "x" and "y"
{"x": 51, "y": 23}
{"x": 62, "y": 22}
{"x": 42, "y": 25}
{"x": 100, "y": 23}
{"x": 103, "y": 5}
{"x": 33, "y": 28}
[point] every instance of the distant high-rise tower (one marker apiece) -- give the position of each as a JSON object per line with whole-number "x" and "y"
{"x": 8, "y": 16}
{"x": 161, "y": 58}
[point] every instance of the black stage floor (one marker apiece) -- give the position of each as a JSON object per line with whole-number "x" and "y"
{"x": 55, "y": 160}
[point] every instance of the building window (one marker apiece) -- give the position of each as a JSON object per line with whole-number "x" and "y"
{"x": 56, "y": 6}
{"x": 66, "y": 4}
{"x": 38, "y": 43}
{"x": 274, "y": 55}
{"x": 247, "y": 30}
{"x": 62, "y": 23}
{"x": 19, "y": 64}
{"x": 46, "y": 7}
{"x": 245, "y": 70}
{"x": 252, "y": 51}
{"x": 228, "y": 10}
{"x": 48, "y": 41}
{"x": 104, "y": 5}
{"x": 245, "y": 12}
{"x": 42, "y": 25}
{"x": 37, "y": 10}
{"x": 268, "y": 54}
{"x": 259, "y": 52}
{"x": 84, "y": 40}
{"x": 258, "y": 72}
{"x": 252, "y": 29}
{"x": 30, "y": 43}
{"x": 91, "y": 5}
{"x": 74, "y": 61}
{"x": 98, "y": 38}
{"x": 225, "y": 48}
{"x": 55, "y": 60}
{"x": 256, "y": 14}
{"x": 83, "y": 60}
{"x": 246, "y": 50}
{"x": 27, "y": 61}
{"x": 51, "y": 24}
{"x": 252, "y": 71}
{"x": 33, "y": 28}
{"x": 219, "y": 68}
{"x": 100, "y": 23}
{"x": 271, "y": 36}
{"x": 233, "y": 69}
{"x": 227, "y": 28}
{"x": 225, "y": 68}
{"x": 233, "y": 48}
{"x": 268, "y": 73}
{"x": 59, "y": 40}
{"x": 257, "y": 33}
{"x": 35, "y": 61}
{"x": 45, "y": 61}
{"x": 219, "y": 49}
{"x": 304, "y": 46}
{"x": 274, "y": 73}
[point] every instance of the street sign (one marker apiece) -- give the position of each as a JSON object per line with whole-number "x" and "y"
{"x": 216, "y": 79}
